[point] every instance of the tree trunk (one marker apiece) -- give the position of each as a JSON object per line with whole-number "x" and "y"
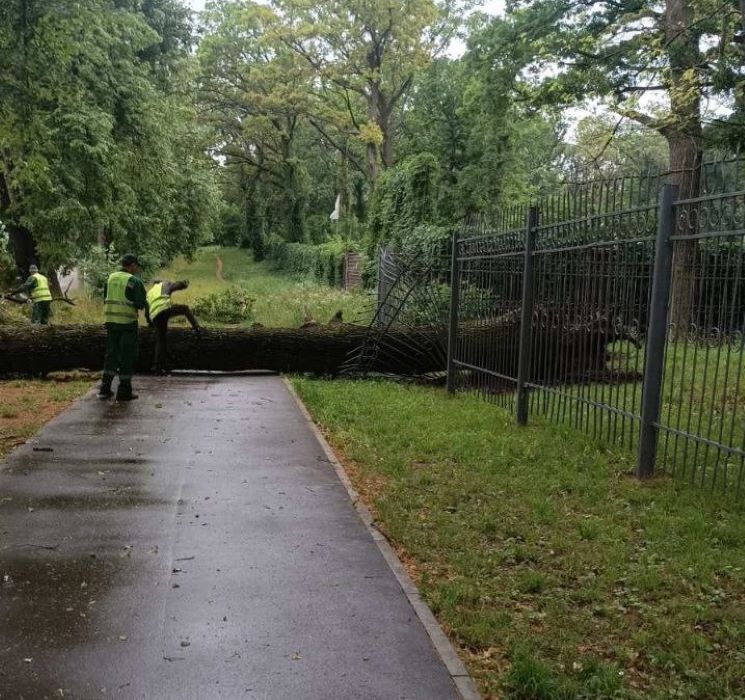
{"x": 684, "y": 139}
{"x": 342, "y": 185}
{"x": 322, "y": 350}
{"x": 387, "y": 128}
{"x": 685, "y": 166}
{"x": 23, "y": 247}
{"x": 373, "y": 116}
{"x": 54, "y": 286}
{"x": 372, "y": 163}
{"x": 318, "y": 350}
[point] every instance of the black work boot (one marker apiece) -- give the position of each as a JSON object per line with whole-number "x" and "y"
{"x": 124, "y": 392}
{"x": 104, "y": 392}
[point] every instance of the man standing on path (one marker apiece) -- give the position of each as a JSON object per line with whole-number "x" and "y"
{"x": 124, "y": 296}
{"x": 37, "y": 288}
{"x": 159, "y": 310}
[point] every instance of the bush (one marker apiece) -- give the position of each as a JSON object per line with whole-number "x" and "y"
{"x": 231, "y": 305}
{"x": 101, "y": 261}
{"x": 429, "y": 244}
{"x": 323, "y": 263}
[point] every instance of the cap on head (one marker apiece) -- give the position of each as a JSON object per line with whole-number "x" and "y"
{"x": 33, "y": 269}
{"x": 129, "y": 259}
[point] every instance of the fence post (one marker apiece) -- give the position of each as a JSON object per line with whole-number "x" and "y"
{"x": 654, "y": 355}
{"x": 526, "y": 319}
{"x": 454, "y": 304}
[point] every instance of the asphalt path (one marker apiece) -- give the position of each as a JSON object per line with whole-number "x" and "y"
{"x": 197, "y": 544}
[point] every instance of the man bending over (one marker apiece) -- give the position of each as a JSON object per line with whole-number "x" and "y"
{"x": 159, "y": 310}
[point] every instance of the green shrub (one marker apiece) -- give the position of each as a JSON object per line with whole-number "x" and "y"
{"x": 101, "y": 261}
{"x": 231, "y": 305}
{"x": 323, "y": 263}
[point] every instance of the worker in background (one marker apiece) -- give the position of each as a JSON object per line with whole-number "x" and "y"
{"x": 159, "y": 310}
{"x": 124, "y": 296}
{"x": 36, "y": 287}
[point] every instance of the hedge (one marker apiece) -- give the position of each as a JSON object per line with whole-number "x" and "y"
{"x": 324, "y": 263}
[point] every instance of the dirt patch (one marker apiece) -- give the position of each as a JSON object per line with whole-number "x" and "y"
{"x": 27, "y": 405}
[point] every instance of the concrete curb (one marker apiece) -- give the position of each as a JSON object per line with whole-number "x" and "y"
{"x": 462, "y": 680}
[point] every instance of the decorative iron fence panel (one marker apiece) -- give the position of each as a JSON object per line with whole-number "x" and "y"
{"x": 702, "y": 419}
{"x": 617, "y": 307}
{"x": 490, "y": 269}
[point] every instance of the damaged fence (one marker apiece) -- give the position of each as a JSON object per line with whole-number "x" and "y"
{"x": 617, "y": 307}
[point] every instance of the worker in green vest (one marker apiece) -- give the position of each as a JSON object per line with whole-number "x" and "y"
{"x": 36, "y": 287}
{"x": 159, "y": 310}
{"x": 124, "y": 296}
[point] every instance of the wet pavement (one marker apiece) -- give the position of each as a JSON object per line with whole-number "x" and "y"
{"x": 196, "y": 544}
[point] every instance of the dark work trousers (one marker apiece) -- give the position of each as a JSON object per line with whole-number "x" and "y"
{"x": 160, "y": 322}
{"x": 121, "y": 354}
{"x": 40, "y": 313}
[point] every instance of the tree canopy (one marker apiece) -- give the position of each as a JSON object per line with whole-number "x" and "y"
{"x": 132, "y": 123}
{"x": 98, "y": 136}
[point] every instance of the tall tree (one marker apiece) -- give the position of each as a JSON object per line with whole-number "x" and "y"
{"x": 369, "y": 51}
{"x": 95, "y": 129}
{"x": 256, "y": 91}
{"x": 652, "y": 61}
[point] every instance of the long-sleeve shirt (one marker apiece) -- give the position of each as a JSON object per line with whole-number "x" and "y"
{"x": 27, "y": 287}
{"x": 168, "y": 289}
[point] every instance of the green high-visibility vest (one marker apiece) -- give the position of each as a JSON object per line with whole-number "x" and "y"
{"x": 117, "y": 308}
{"x": 157, "y": 302}
{"x": 41, "y": 291}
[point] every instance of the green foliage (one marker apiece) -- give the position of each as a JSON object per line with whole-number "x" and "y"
{"x": 97, "y": 266}
{"x": 318, "y": 227}
{"x": 7, "y": 266}
{"x": 98, "y": 137}
{"x": 324, "y": 263}
{"x": 364, "y": 55}
{"x": 231, "y": 305}
{"x": 405, "y": 196}
{"x": 427, "y": 243}
{"x": 100, "y": 262}
{"x": 607, "y": 147}
{"x": 229, "y": 231}
{"x": 249, "y": 76}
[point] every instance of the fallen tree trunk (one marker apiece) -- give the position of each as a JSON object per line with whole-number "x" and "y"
{"x": 560, "y": 353}
{"x": 320, "y": 350}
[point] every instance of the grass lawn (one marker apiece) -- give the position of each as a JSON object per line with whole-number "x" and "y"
{"x": 703, "y": 394}
{"x": 279, "y": 300}
{"x": 25, "y": 405}
{"x": 557, "y": 575}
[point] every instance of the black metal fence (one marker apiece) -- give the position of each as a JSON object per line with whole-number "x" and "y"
{"x": 617, "y": 307}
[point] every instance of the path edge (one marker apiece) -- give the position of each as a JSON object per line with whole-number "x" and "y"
{"x": 27, "y": 446}
{"x": 462, "y": 680}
